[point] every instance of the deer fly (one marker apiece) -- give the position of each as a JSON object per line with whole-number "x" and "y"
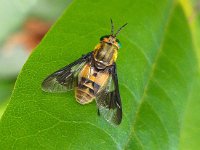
{"x": 93, "y": 76}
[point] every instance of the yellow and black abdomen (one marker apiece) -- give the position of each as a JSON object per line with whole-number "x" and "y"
{"x": 90, "y": 82}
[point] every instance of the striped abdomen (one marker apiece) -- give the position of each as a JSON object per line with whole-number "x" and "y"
{"x": 90, "y": 82}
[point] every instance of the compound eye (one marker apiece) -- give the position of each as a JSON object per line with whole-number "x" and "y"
{"x": 103, "y": 37}
{"x": 119, "y": 43}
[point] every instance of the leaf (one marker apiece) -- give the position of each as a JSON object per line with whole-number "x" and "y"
{"x": 190, "y": 131}
{"x": 156, "y": 68}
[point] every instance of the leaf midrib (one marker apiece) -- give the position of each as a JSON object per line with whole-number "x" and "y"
{"x": 150, "y": 77}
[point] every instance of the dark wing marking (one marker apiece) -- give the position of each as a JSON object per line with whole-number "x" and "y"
{"x": 66, "y": 78}
{"x": 109, "y": 101}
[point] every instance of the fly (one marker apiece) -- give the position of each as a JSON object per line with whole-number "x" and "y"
{"x": 94, "y": 77}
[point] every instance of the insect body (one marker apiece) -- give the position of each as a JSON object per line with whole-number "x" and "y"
{"x": 93, "y": 76}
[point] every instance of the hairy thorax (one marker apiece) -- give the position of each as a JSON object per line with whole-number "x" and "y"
{"x": 104, "y": 55}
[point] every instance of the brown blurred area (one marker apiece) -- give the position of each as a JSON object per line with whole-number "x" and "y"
{"x": 29, "y": 35}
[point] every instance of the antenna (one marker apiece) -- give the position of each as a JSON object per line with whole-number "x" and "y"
{"x": 120, "y": 29}
{"x": 112, "y": 27}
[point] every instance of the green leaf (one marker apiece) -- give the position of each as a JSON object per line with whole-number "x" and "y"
{"x": 156, "y": 68}
{"x": 190, "y": 132}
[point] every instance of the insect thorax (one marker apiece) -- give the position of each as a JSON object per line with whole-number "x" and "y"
{"x": 104, "y": 55}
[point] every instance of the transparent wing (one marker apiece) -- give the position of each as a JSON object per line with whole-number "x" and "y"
{"x": 109, "y": 101}
{"x": 65, "y": 79}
